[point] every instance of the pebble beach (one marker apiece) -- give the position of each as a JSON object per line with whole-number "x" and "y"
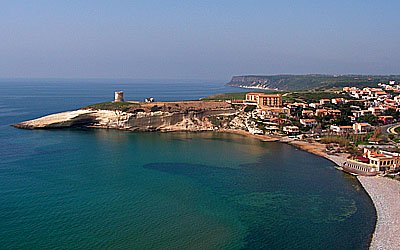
{"x": 385, "y": 194}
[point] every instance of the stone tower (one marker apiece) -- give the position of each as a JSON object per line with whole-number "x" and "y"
{"x": 118, "y": 96}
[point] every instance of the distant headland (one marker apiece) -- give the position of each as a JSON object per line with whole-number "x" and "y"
{"x": 307, "y": 82}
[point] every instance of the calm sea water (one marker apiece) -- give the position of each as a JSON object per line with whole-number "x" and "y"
{"x": 76, "y": 189}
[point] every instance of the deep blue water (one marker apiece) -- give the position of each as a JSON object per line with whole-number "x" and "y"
{"x": 91, "y": 189}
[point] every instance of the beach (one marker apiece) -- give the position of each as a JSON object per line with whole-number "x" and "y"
{"x": 265, "y": 138}
{"x": 385, "y": 194}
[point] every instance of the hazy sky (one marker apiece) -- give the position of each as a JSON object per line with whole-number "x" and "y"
{"x": 197, "y": 39}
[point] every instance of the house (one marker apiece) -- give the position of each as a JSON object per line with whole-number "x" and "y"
{"x": 321, "y": 112}
{"x": 338, "y": 100}
{"x": 380, "y": 94}
{"x": 361, "y": 128}
{"x": 341, "y": 129}
{"x": 291, "y": 130}
{"x": 307, "y": 113}
{"x": 278, "y": 121}
{"x": 149, "y": 99}
{"x": 334, "y": 112}
{"x": 274, "y": 111}
{"x": 308, "y": 122}
{"x": 315, "y": 105}
{"x": 375, "y": 110}
{"x": 324, "y": 101}
{"x": 385, "y": 119}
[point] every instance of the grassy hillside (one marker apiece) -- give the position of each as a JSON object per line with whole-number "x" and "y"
{"x": 307, "y": 82}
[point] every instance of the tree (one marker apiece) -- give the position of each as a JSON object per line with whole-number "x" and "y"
{"x": 392, "y": 112}
{"x": 371, "y": 119}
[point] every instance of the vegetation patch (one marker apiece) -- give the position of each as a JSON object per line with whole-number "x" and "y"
{"x": 311, "y": 96}
{"x": 226, "y": 96}
{"x": 122, "y": 106}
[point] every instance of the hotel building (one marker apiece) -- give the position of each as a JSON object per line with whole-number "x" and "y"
{"x": 265, "y": 100}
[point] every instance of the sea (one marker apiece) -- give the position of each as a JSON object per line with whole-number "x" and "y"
{"x": 106, "y": 189}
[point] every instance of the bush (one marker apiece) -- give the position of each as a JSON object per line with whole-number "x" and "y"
{"x": 155, "y": 108}
{"x": 249, "y": 108}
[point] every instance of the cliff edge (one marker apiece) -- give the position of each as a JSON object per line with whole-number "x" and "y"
{"x": 160, "y": 116}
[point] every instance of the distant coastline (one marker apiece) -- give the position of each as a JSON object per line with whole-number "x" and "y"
{"x": 307, "y": 82}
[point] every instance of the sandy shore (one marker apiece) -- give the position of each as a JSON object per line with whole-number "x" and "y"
{"x": 248, "y": 134}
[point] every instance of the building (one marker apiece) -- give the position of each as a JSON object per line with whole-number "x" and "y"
{"x": 308, "y": 122}
{"x": 324, "y": 101}
{"x": 334, "y": 112}
{"x": 375, "y": 110}
{"x": 373, "y": 163}
{"x": 341, "y": 129}
{"x": 118, "y": 96}
{"x": 149, "y": 99}
{"x": 362, "y": 128}
{"x": 291, "y": 130}
{"x": 356, "y": 167}
{"x": 274, "y": 111}
{"x": 383, "y": 160}
{"x": 307, "y": 113}
{"x": 265, "y": 100}
{"x": 385, "y": 119}
{"x": 338, "y": 100}
{"x": 315, "y": 105}
{"x": 321, "y": 112}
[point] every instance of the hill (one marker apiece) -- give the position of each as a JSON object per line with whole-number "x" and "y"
{"x": 307, "y": 82}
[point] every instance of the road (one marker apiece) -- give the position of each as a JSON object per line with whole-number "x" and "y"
{"x": 390, "y": 128}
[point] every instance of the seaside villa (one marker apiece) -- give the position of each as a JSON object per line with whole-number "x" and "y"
{"x": 373, "y": 162}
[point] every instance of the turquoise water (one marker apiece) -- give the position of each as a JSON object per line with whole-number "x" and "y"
{"x": 91, "y": 189}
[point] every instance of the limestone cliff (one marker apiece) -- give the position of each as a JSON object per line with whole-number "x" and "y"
{"x": 171, "y": 116}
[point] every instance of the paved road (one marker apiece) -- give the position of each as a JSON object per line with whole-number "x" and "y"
{"x": 389, "y": 129}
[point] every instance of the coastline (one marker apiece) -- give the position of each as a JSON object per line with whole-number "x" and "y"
{"x": 384, "y": 193}
{"x": 264, "y": 138}
{"x": 376, "y": 187}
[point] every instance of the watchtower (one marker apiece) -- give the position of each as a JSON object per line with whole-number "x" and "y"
{"x": 118, "y": 96}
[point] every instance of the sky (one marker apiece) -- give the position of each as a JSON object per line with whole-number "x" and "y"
{"x": 203, "y": 39}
